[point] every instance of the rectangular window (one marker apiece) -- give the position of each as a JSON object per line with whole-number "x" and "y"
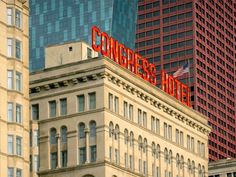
{"x": 10, "y": 79}
{"x": 131, "y": 162}
{"x": 110, "y": 102}
{"x": 82, "y": 155}
{"x": 177, "y": 136}
{"x": 18, "y": 81}
{"x": 165, "y": 130}
{"x": 53, "y": 160}
{"x": 131, "y": 112}
{"x": 35, "y": 137}
{"x": 35, "y": 112}
{"x": 116, "y": 156}
{"x": 63, "y": 106}
{"x": 9, "y": 16}
{"x": 192, "y": 143}
{"x": 18, "y": 146}
{"x": 10, "y": 47}
{"x": 139, "y": 117}
{"x": 93, "y": 153}
{"x": 10, "y": 144}
{"x": 116, "y": 105}
{"x": 126, "y": 160}
{"x": 110, "y": 153}
{"x": 18, "y": 19}
{"x": 125, "y": 109}
{"x": 145, "y": 119}
{"x": 157, "y": 126}
{"x": 188, "y": 142}
{"x": 152, "y": 123}
{"x": 169, "y": 132}
{"x": 89, "y": 53}
{"x": 18, "y": 113}
{"x": 10, "y": 172}
{"x": 36, "y": 163}
{"x": 157, "y": 171}
{"x": 144, "y": 167}
{"x": 18, "y": 172}
{"x": 10, "y": 112}
{"x": 92, "y": 100}
{"x": 81, "y": 103}
{"x": 181, "y": 140}
{"x": 18, "y": 49}
{"x": 52, "y": 108}
{"x": 63, "y": 158}
{"x": 198, "y": 147}
{"x": 140, "y": 165}
{"x": 203, "y": 150}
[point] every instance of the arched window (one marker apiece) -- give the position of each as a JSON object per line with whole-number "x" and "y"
{"x": 111, "y": 127}
{"x": 177, "y": 160}
{"x": 92, "y": 127}
{"x": 199, "y": 171}
{"x": 131, "y": 139}
{"x": 63, "y": 134}
{"x": 170, "y": 157}
{"x": 126, "y": 136}
{"x": 158, "y": 151}
{"x": 53, "y": 134}
{"x": 145, "y": 145}
{"x": 193, "y": 167}
{"x": 139, "y": 142}
{"x": 189, "y": 166}
{"x": 203, "y": 171}
{"x": 166, "y": 155}
{"x": 53, "y": 141}
{"x": 153, "y": 149}
{"x": 117, "y": 130}
{"x": 182, "y": 162}
{"x": 81, "y": 130}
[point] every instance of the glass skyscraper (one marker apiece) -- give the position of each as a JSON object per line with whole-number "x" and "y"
{"x": 61, "y": 21}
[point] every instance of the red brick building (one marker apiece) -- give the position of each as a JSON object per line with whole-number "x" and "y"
{"x": 171, "y": 33}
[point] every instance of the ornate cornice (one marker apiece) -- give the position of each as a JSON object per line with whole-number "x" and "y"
{"x": 155, "y": 102}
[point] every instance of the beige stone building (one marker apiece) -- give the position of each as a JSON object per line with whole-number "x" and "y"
{"x": 97, "y": 119}
{"x": 14, "y": 89}
{"x": 222, "y": 168}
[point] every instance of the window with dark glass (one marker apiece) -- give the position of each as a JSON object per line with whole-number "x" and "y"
{"x": 92, "y": 100}
{"x": 81, "y": 130}
{"x": 82, "y": 155}
{"x": 18, "y": 113}
{"x": 63, "y": 106}
{"x": 18, "y": 19}
{"x": 80, "y": 103}
{"x": 53, "y": 134}
{"x": 53, "y": 160}
{"x": 52, "y": 108}
{"x": 35, "y": 112}
{"x": 63, "y": 158}
{"x": 93, "y": 153}
{"x": 89, "y": 53}
{"x": 18, "y": 49}
{"x": 18, "y": 146}
{"x": 92, "y": 127}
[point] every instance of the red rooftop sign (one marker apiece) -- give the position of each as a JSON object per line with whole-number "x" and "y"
{"x": 124, "y": 56}
{"x": 175, "y": 88}
{"x": 127, "y": 58}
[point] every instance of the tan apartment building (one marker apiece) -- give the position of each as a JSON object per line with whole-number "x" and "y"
{"x": 97, "y": 119}
{"x": 14, "y": 89}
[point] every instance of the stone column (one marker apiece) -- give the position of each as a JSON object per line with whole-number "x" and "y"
{"x": 86, "y": 130}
